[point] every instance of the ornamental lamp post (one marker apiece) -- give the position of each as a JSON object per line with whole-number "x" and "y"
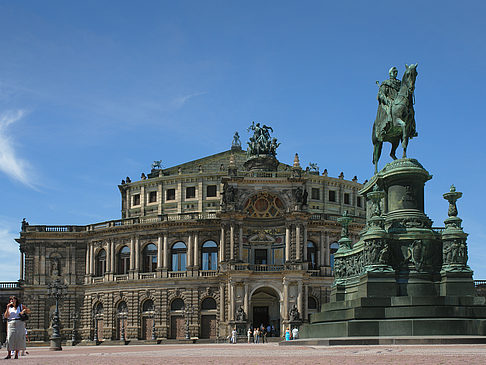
{"x": 57, "y": 290}
{"x": 74, "y": 317}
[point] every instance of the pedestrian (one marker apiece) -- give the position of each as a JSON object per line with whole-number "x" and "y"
{"x": 256, "y": 335}
{"x": 264, "y": 335}
{"x": 15, "y": 326}
{"x": 234, "y": 334}
{"x": 249, "y": 334}
{"x": 269, "y": 330}
{"x": 287, "y": 334}
{"x": 295, "y": 333}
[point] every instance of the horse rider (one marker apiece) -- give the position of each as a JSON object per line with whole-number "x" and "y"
{"x": 386, "y": 95}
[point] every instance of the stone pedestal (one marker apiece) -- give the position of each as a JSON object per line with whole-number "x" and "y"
{"x": 403, "y": 278}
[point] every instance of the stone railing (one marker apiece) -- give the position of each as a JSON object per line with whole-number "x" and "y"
{"x": 123, "y": 277}
{"x": 207, "y": 273}
{"x": 98, "y": 279}
{"x": 147, "y": 275}
{"x": 9, "y": 285}
{"x": 329, "y": 217}
{"x": 177, "y": 274}
{"x": 123, "y": 222}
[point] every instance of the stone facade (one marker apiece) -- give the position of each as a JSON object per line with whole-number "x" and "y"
{"x": 201, "y": 248}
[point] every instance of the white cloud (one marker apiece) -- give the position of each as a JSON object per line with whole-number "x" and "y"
{"x": 10, "y": 163}
{"x": 181, "y": 100}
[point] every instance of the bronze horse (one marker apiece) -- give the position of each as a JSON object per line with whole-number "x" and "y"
{"x": 401, "y": 128}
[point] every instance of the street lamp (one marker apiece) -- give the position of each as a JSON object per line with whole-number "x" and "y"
{"x": 74, "y": 317}
{"x": 57, "y": 290}
{"x": 95, "y": 320}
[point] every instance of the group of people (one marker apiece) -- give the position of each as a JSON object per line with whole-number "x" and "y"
{"x": 260, "y": 333}
{"x": 15, "y": 315}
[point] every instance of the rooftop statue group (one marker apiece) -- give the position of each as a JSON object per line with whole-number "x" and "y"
{"x": 261, "y": 143}
{"x": 395, "y": 118}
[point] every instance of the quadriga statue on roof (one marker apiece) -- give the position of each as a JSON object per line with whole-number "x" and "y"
{"x": 395, "y": 118}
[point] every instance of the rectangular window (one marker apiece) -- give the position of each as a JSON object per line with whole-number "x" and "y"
{"x": 190, "y": 192}
{"x": 347, "y": 199}
{"x": 136, "y": 199}
{"x": 211, "y": 191}
{"x": 332, "y": 196}
{"x": 170, "y": 194}
{"x": 152, "y": 197}
{"x": 315, "y": 194}
{"x": 359, "y": 202}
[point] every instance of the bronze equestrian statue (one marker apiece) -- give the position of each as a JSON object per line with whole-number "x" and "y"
{"x": 395, "y": 118}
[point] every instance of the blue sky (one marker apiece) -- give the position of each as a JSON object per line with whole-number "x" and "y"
{"x": 93, "y": 91}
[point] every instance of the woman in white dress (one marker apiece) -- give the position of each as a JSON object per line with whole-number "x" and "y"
{"x": 16, "y": 327}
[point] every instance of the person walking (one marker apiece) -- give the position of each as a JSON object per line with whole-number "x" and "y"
{"x": 234, "y": 335}
{"x": 256, "y": 335}
{"x": 15, "y": 327}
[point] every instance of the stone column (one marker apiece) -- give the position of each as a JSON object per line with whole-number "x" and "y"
{"x": 91, "y": 259}
{"x": 87, "y": 259}
{"x": 107, "y": 248}
{"x": 240, "y": 243}
{"x": 232, "y": 241}
{"x": 132, "y": 254}
{"x": 246, "y": 301}
{"x": 21, "y": 276}
{"x": 306, "y": 305}
{"x": 189, "y": 250}
{"x": 137, "y": 254}
{"x": 221, "y": 302}
{"x": 297, "y": 242}
{"x": 287, "y": 243}
{"x": 322, "y": 248}
{"x": 285, "y": 314}
{"x": 196, "y": 250}
{"x": 305, "y": 243}
{"x": 160, "y": 250}
{"x": 221, "y": 245}
{"x": 299, "y": 297}
{"x": 112, "y": 256}
{"x": 328, "y": 250}
{"x": 166, "y": 252}
{"x": 231, "y": 301}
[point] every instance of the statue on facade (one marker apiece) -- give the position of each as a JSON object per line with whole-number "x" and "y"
{"x": 294, "y": 314}
{"x": 157, "y": 165}
{"x": 395, "y": 118}
{"x": 236, "y": 141}
{"x": 261, "y": 142}
{"x": 240, "y": 314}
{"x": 229, "y": 194}
{"x": 24, "y": 225}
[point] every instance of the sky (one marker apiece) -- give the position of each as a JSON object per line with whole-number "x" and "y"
{"x": 94, "y": 91}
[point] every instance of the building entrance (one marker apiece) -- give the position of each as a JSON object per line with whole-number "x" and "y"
{"x": 265, "y": 309}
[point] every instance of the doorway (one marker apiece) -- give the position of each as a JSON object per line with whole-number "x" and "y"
{"x": 260, "y": 316}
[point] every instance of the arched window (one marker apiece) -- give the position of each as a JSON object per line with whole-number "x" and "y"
{"x": 177, "y": 305}
{"x": 122, "y": 308}
{"x": 149, "y": 258}
{"x": 123, "y": 260}
{"x": 178, "y": 255}
{"x": 98, "y": 309}
{"x": 311, "y": 303}
{"x": 208, "y": 303}
{"x": 312, "y": 255}
{"x": 332, "y": 250}
{"x": 148, "y": 306}
{"x": 209, "y": 254}
{"x": 100, "y": 263}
